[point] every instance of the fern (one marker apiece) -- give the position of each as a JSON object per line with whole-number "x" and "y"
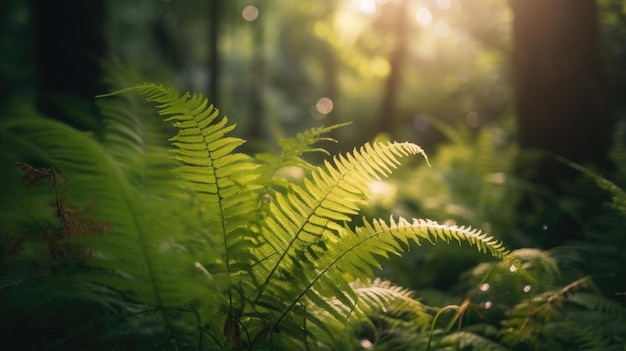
{"x": 597, "y": 303}
{"x": 618, "y": 195}
{"x": 306, "y": 254}
{"x": 220, "y": 268}
{"x": 292, "y": 150}
{"x": 587, "y": 338}
{"x": 463, "y": 340}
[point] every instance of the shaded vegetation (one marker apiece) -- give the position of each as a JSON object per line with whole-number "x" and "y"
{"x": 121, "y": 232}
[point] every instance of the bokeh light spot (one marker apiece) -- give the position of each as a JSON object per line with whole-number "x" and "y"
{"x": 322, "y": 108}
{"x": 250, "y": 13}
{"x": 423, "y": 16}
{"x": 444, "y": 4}
{"x": 367, "y": 7}
{"x": 366, "y": 344}
{"x": 324, "y": 105}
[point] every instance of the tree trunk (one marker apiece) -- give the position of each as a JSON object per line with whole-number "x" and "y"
{"x": 256, "y": 103}
{"x": 69, "y": 40}
{"x": 387, "y": 119}
{"x": 560, "y": 83}
{"x": 215, "y": 17}
{"x": 562, "y": 100}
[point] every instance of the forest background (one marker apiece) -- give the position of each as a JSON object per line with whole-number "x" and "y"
{"x": 492, "y": 90}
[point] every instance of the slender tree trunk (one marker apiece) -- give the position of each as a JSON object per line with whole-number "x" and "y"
{"x": 387, "y": 119}
{"x": 258, "y": 120}
{"x": 215, "y": 16}
{"x": 330, "y": 63}
{"x": 69, "y": 40}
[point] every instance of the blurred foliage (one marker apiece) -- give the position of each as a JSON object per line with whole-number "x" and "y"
{"x": 295, "y": 53}
{"x": 454, "y": 100}
{"x": 276, "y": 66}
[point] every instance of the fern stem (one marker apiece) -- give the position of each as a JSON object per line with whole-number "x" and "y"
{"x": 436, "y": 318}
{"x": 318, "y": 277}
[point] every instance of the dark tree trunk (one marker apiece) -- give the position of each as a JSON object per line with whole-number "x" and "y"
{"x": 258, "y": 120}
{"x": 387, "y": 119}
{"x": 329, "y": 61}
{"x": 561, "y": 97}
{"x": 560, "y": 82}
{"x": 215, "y": 16}
{"x": 69, "y": 41}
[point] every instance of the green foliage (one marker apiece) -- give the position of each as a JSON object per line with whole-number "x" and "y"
{"x": 535, "y": 306}
{"x": 199, "y": 251}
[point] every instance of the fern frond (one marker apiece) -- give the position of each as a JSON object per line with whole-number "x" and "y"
{"x": 136, "y": 141}
{"x": 384, "y": 314}
{"x": 618, "y": 195}
{"x": 358, "y": 252}
{"x": 330, "y": 196}
{"x": 384, "y": 300}
{"x": 139, "y": 245}
{"x": 431, "y": 231}
{"x": 219, "y": 177}
{"x": 302, "y": 222}
{"x": 588, "y": 338}
{"x": 464, "y": 340}
{"x": 278, "y": 170}
{"x": 292, "y": 149}
{"x": 598, "y": 303}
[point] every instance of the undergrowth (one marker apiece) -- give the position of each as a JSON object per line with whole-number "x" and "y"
{"x": 127, "y": 243}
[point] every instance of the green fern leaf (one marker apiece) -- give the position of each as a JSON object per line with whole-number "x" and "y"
{"x": 302, "y": 222}
{"x": 219, "y": 177}
{"x": 135, "y": 254}
{"x": 357, "y": 253}
{"x": 292, "y": 149}
{"x": 463, "y": 340}
{"x": 330, "y": 196}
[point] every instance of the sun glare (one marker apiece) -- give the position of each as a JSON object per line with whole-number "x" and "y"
{"x": 367, "y": 7}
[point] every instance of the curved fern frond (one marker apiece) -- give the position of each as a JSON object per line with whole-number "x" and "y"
{"x": 306, "y": 219}
{"x": 382, "y": 307}
{"x": 380, "y": 238}
{"x": 356, "y": 253}
{"x": 383, "y": 297}
{"x": 329, "y": 197}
